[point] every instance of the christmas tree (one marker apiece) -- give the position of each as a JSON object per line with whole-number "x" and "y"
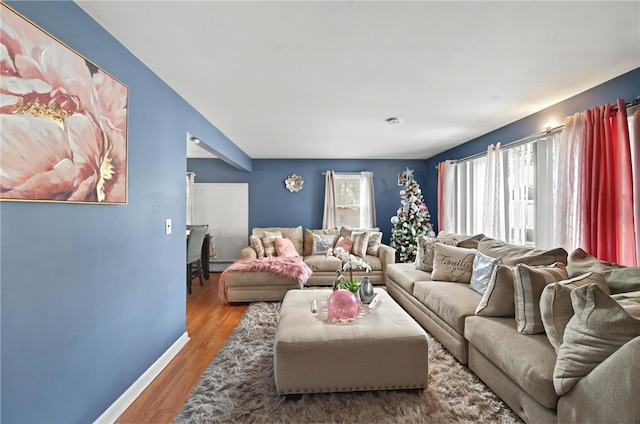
{"x": 412, "y": 220}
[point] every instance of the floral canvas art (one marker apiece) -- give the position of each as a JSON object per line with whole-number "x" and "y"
{"x": 63, "y": 121}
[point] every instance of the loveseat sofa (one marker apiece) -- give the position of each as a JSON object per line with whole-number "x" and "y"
{"x": 311, "y": 247}
{"x": 577, "y": 367}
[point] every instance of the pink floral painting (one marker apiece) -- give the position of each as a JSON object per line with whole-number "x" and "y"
{"x": 63, "y": 121}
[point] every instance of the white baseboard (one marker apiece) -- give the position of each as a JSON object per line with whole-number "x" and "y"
{"x": 131, "y": 394}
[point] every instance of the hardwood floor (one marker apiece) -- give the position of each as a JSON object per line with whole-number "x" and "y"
{"x": 209, "y": 324}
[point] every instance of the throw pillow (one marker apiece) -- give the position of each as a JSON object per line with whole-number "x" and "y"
{"x": 483, "y": 268}
{"x": 285, "y": 247}
{"x": 322, "y": 243}
{"x": 514, "y": 254}
{"x": 295, "y": 234}
{"x": 619, "y": 277}
{"x": 528, "y": 284}
{"x": 269, "y": 243}
{"x": 424, "y": 252}
{"x": 257, "y": 245}
{"x": 451, "y": 263}
{"x": 598, "y": 328}
{"x": 308, "y": 238}
{"x": 375, "y": 240}
{"x": 345, "y": 243}
{"x": 497, "y": 300}
{"x": 360, "y": 243}
{"x": 346, "y": 231}
{"x": 555, "y": 304}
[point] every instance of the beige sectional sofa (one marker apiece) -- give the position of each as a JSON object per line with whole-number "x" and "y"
{"x": 264, "y": 286}
{"x": 526, "y": 370}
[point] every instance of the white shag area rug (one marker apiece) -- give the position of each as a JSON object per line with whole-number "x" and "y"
{"x": 239, "y": 387}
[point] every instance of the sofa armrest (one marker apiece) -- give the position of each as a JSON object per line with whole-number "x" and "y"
{"x": 387, "y": 254}
{"x": 248, "y": 253}
{"x": 609, "y": 393}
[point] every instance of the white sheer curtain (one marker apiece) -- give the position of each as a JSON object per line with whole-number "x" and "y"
{"x": 447, "y": 213}
{"x": 191, "y": 176}
{"x": 329, "y": 215}
{"x": 367, "y": 200}
{"x": 570, "y": 184}
{"x": 493, "y": 210}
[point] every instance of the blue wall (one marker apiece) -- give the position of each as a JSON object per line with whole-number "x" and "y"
{"x": 271, "y": 204}
{"x": 92, "y": 295}
{"x": 626, "y": 86}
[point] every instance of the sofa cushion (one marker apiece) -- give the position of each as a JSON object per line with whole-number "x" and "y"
{"x": 424, "y": 254}
{"x": 293, "y": 234}
{"x": 360, "y": 243}
{"x": 483, "y": 269}
{"x": 405, "y": 275}
{"x": 462, "y": 240}
{"x": 598, "y": 328}
{"x": 527, "y": 360}
{"x": 269, "y": 242}
{"x": 322, "y": 243}
{"x": 619, "y": 277}
{"x": 319, "y": 263}
{"x": 285, "y": 248}
{"x": 308, "y": 238}
{"x": 555, "y": 304}
{"x": 452, "y": 302}
{"x": 451, "y": 263}
{"x": 513, "y": 254}
{"x": 497, "y": 300}
{"x": 528, "y": 284}
{"x": 256, "y": 244}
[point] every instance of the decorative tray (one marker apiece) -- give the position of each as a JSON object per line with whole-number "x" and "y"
{"x": 323, "y": 314}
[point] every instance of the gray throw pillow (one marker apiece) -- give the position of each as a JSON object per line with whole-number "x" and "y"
{"x": 483, "y": 269}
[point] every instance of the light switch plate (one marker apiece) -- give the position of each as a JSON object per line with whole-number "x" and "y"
{"x": 167, "y": 226}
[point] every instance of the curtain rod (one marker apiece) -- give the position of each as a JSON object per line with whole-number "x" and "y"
{"x": 345, "y": 173}
{"x": 516, "y": 143}
{"x": 629, "y": 105}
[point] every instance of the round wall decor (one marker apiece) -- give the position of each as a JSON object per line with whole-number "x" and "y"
{"x": 294, "y": 183}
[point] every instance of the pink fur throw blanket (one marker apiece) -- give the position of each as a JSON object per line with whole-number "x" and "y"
{"x": 289, "y": 267}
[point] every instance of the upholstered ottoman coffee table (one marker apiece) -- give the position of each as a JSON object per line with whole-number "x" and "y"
{"x": 383, "y": 350}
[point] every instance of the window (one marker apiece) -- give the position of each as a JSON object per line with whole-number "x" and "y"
{"x": 525, "y": 197}
{"x": 349, "y": 200}
{"x": 347, "y": 191}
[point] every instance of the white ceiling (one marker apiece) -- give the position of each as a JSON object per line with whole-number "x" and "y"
{"x": 318, "y": 79}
